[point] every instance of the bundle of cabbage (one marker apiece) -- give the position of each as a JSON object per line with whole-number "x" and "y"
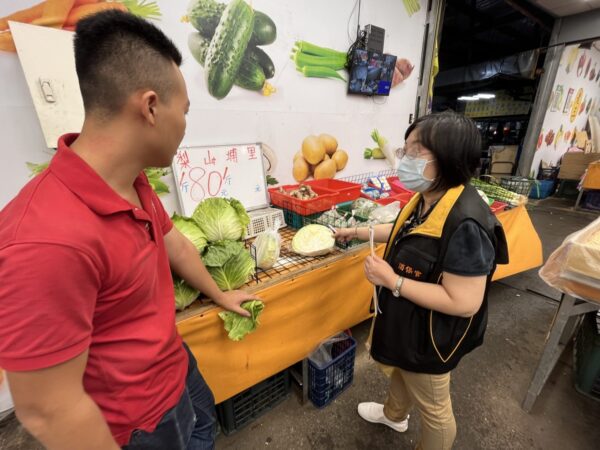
{"x": 229, "y": 263}
{"x": 221, "y": 219}
{"x": 313, "y": 240}
{"x": 190, "y": 230}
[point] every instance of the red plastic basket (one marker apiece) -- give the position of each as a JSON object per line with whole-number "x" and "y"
{"x": 402, "y": 198}
{"x": 345, "y": 191}
{"x": 397, "y": 186}
{"x": 324, "y": 201}
{"x": 497, "y": 207}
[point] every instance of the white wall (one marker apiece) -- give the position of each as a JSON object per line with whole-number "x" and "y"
{"x": 300, "y": 107}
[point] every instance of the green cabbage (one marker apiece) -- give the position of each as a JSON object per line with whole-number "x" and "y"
{"x": 239, "y": 326}
{"x": 190, "y": 230}
{"x": 221, "y": 219}
{"x": 229, "y": 263}
{"x": 313, "y": 240}
{"x": 184, "y": 293}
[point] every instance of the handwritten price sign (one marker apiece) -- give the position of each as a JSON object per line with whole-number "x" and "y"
{"x": 220, "y": 171}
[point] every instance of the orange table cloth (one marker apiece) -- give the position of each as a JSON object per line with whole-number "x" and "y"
{"x": 300, "y": 312}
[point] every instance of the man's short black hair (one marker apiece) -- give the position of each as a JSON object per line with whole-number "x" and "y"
{"x": 116, "y": 54}
{"x": 454, "y": 141}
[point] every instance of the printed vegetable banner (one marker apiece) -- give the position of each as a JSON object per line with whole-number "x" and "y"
{"x": 66, "y": 13}
{"x": 575, "y": 98}
{"x": 267, "y": 71}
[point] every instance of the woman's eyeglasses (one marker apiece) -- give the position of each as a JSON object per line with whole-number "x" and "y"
{"x": 410, "y": 153}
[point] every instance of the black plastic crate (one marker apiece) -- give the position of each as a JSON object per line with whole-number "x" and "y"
{"x": 243, "y": 408}
{"x": 328, "y": 382}
{"x": 568, "y": 189}
{"x": 586, "y": 357}
{"x": 591, "y": 200}
{"x": 550, "y": 173}
{"x": 518, "y": 185}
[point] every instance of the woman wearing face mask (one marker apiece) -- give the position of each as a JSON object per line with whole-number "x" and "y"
{"x": 441, "y": 253}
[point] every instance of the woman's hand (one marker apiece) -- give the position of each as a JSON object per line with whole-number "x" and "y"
{"x": 379, "y": 272}
{"x": 345, "y": 234}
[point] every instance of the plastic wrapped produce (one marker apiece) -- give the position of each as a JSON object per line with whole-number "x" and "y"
{"x": 574, "y": 268}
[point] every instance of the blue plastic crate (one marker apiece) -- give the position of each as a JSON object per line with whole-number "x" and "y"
{"x": 542, "y": 189}
{"x": 326, "y": 383}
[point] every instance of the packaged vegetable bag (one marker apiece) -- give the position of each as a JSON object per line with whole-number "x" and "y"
{"x": 268, "y": 247}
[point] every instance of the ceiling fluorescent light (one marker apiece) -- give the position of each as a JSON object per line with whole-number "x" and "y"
{"x": 466, "y": 98}
{"x": 485, "y": 96}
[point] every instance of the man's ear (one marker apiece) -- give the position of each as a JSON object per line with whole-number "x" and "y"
{"x": 148, "y": 105}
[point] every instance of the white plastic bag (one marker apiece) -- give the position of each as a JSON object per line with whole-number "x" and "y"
{"x": 268, "y": 248}
{"x": 386, "y": 214}
{"x": 322, "y": 355}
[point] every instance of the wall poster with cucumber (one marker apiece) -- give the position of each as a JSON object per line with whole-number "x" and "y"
{"x": 273, "y": 71}
{"x": 269, "y": 71}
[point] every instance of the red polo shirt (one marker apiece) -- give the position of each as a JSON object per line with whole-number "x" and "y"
{"x": 82, "y": 268}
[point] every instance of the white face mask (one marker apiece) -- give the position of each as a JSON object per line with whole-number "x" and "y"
{"x": 410, "y": 173}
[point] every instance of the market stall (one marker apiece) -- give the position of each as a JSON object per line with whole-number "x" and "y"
{"x": 254, "y": 134}
{"x": 307, "y": 300}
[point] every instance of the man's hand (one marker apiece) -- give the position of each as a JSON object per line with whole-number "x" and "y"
{"x": 231, "y": 301}
{"x": 379, "y": 272}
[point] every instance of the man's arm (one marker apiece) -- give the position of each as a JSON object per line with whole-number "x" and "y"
{"x": 53, "y": 406}
{"x": 185, "y": 262}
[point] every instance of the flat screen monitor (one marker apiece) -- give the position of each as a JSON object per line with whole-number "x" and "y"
{"x": 371, "y": 73}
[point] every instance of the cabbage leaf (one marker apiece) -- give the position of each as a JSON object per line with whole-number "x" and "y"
{"x": 190, "y": 230}
{"x": 238, "y": 326}
{"x": 184, "y": 294}
{"x": 229, "y": 263}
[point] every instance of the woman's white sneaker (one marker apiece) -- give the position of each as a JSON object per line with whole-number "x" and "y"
{"x": 373, "y": 412}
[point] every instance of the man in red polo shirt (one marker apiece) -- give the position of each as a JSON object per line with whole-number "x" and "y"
{"x": 87, "y": 318}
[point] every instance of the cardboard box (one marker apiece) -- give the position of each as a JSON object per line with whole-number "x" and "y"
{"x": 574, "y": 164}
{"x": 504, "y": 153}
{"x": 501, "y": 168}
{"x": 592, "y": 177}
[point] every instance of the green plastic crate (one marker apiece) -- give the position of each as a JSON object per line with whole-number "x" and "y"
{"x": 586, "y": 357}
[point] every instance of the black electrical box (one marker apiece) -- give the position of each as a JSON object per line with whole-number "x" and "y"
{"x": 374, "y": 38}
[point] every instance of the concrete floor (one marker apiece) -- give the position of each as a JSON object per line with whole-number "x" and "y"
{"x": 487, "y": 387}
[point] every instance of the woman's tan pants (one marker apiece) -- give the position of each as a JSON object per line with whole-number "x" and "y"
{"x": 431, "y": 395}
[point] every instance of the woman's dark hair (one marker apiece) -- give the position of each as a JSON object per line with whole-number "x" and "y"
{"x": 454, "y": 141}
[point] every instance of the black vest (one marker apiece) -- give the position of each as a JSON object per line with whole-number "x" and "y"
{"x": 416, "y": 339}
